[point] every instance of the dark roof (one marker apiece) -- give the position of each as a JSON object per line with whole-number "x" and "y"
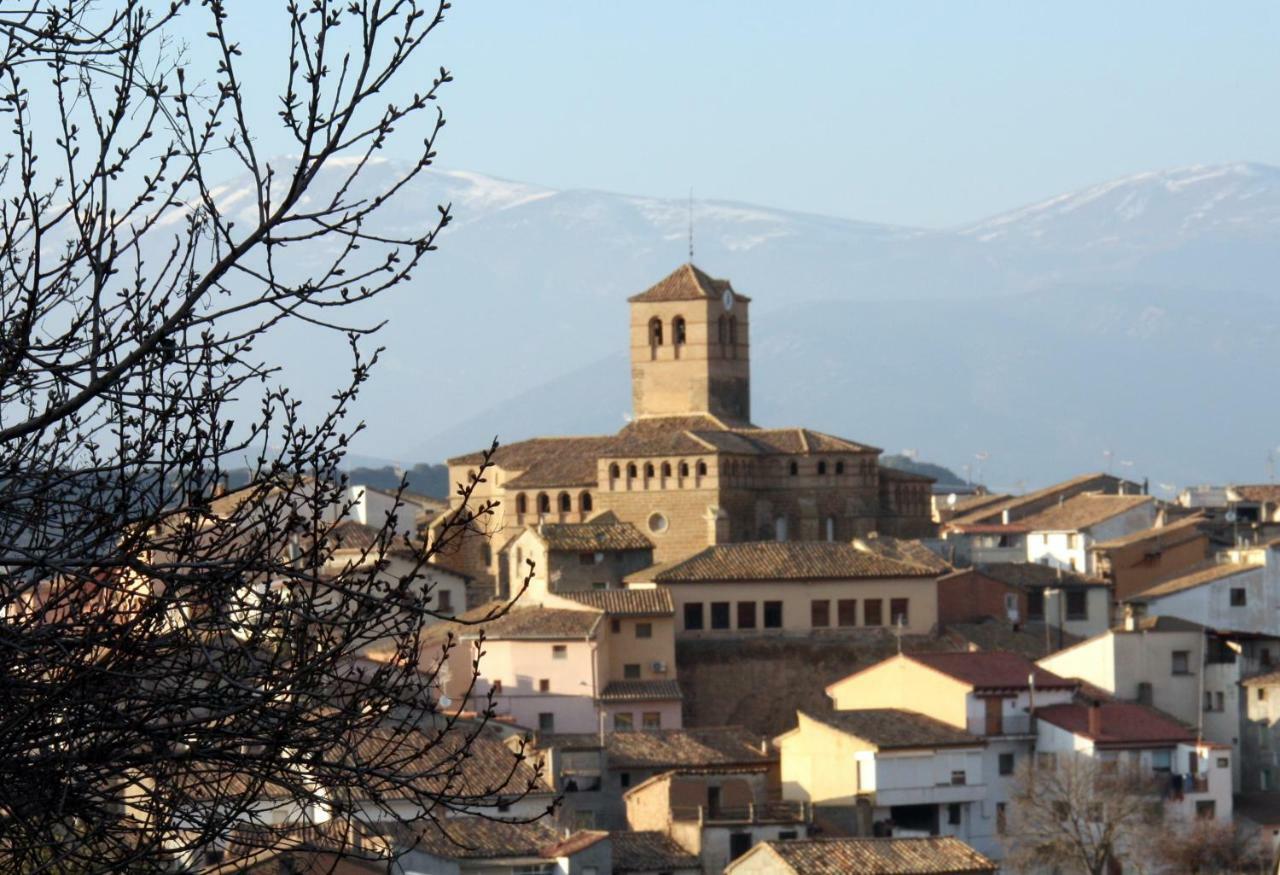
{"x": 539, "y": 624}
{"x": 670, "y": 748}
{"x": 1270, "y": 679}
{"x": 1258, "y": 492}
{"x": 893, "y": 728}
{"x": 903, "y": 550}
{"x": 653, "y": 601}
{"x": 1168, "y": 535}
{"x": 991, "y": 670}
{"x": 640, "y": 691}
{"x": 781, "y": 560}
{"x": 649, "y": 851}
{"x": 1205, "y": 573}
{"x": 1033, "y": 575}
{"x": 481, "y": 838}
{"x": 1124, "y": 724}
{"x": 997, "y": 633}
{"x": 942, "y": 855}
{"x": 605, "y": 532}
{"x": 1161, "y": 623}
{"x": 1084, "y": 510}
{"x": 685, "y": 283}
{"x": 1020, "y": 506}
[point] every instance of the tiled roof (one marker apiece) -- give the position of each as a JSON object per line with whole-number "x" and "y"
{"x": 942, "y": 855}
{"x": 1258, "y": 492}
{"x": 1160, "y": 623}
{"x": 893, "y": 728}
{"x": 481, "y": 838}
{"x": 649, "y": 851}
{"x": 1205, "y": 574}
{"x": 670, "y": 748}
{"x": 640, "y": 691}
{"x": 991, "y": 670}
{"x": 1124, "y": 724}
{"x": 685, "y": 283}
{"x": 640, "y": 602}
{"x": 1270, "y": 679}
{"x": 576, "y": 843}
{"x": 548, "y": 461}
{"x": 1033, "y": 575}
{"x": 966, "y": 504}
{"x": 1016, "y": 505}
{"x": 539, "y": 624}
{"x": 997, "y": 633}
{"x": 1168, "y": 535}
{"x": 903, "y": 550}
{"x": 1083, "y": 511}
{"x": 605, "y": 532}
{"x": 781, "y": 560}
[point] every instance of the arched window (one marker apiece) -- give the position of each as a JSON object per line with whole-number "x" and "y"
{"x": 614, "y": 471}
{"x": 702, "y": 468}
{"x": 584, "y": 502}
{"x": 831, "y": 528}
{"x": 631, "y": 469}
{"x": 722, "y": 334}
{"x": 684, "y": 469}
{"x": 655, "y": 331}
{"x": 822, "y": 467}
{"x": 648, "y": 469}
{"x": 733, "y": 330}
{"x": 677, "y": 331}
{"x": 794, "y": 469}
{"x": 566, "y": 503}
{"x": 666, "y": 469}
{"x": 522, "y": 503}
{"x": 544, "y": 503}
{"x": 839, "y": 467}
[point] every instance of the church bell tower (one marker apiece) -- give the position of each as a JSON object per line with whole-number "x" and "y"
{"x": 689, "y": 349}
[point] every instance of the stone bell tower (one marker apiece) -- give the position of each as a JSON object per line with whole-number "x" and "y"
{"x": 689, "y": 349}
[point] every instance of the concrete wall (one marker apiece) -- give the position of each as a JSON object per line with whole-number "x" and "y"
{"x": 1137, "y": 567}
{"x": 1070, "y": 549}
{"x": 899, "y": 682}
{"x": 1210, "y": 604}
{"x": 820, "y": 764}
{"x": 521, "y": 665}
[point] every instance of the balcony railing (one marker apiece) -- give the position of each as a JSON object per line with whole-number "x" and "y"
{"x": 763, "y": 812}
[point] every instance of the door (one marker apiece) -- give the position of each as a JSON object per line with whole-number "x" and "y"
{"x": 995, "y": 719}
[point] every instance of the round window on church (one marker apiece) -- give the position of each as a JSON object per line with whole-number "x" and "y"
{"x": 657, "y": 523}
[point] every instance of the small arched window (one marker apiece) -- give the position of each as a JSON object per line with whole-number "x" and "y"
{"x": 584, "y": 502}
{"x": 702, "y": 468}
{"x": 522, "y": 503}
{"x": 666, "y": 469}
{"x": 839, "y": 467}
{"x": 614, "y": 471}
{"x": 677, "y": 331}
{"x": 544, "y": 503}
{"x": 566, "y": 503}
{"x": 631, "y": 469}
{"x": 648, "y": 469}
{"x": 684, "y": 469}
{"x": 722, "y": 334}
{"x": 655, "y": 331}
{"x": 733, "y": 330}
{"x": 794, "y": 469}
{"x": 822, "y": 467}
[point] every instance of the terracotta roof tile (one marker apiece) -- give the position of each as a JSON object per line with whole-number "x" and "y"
{"x": 480, "y": 838}
{"x": 903, "y": 550}
{"x": 1206, "y": 573}
{"x": 1258, "y": 492}
{"x": 1020, "y": 506}
{"x": 991, "y": 670}
{"x": 537, "y": 623}
{"x": 671, "y": 748}
{"x": 1083, "y": 511}
{"x": 685, "y": 283}
{"x": 894, "y": 728}
{"x": 942, "y": 855}
{"x": 605, "y": 532}
{"x": 649, "y": 851}
{"x": 785, "y": 560}
{"x": 1032, "y": 575}
{"x": 640, "y": 691}
{"x": 640, "y": 602}
{"x": 1124, "y": 724}
{"x": 1168, "y": 535}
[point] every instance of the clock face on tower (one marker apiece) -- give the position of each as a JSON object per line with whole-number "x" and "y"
{"x": 727, "y": 299}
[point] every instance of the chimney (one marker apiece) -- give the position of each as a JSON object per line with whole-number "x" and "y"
{"x": 1095, "y": 718}
{"x": 1004, "y": 517}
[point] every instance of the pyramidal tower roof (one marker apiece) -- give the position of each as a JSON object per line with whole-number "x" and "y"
{"x": 686, "y": 283}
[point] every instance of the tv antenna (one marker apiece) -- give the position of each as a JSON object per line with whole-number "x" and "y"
{"x": 691, "y": 224}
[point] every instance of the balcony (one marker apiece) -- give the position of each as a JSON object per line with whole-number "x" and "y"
{"x": 754, "y": 813}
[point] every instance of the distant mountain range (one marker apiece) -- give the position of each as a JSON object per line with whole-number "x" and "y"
{"x": 1139, "y": 317}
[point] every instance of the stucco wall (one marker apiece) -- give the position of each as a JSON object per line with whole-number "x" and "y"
{"x": 899, "y": 682}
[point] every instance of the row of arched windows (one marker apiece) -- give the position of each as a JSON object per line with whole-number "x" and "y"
{"x": 650, "y": 471}
{"x": 564, "y": 502}
{"x": 863, "y": 466}
{"x": 727, "y": 333}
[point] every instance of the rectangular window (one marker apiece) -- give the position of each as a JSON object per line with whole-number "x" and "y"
{"x": 1006, "y": 763}
{"x": 1077, "y": 605}
{"x": 746, "y": 615}
{"x": 1073, "y": 541}
{"x": 719, "y": 615}
{"x": 497, "y": 687}
{"x": 820, "y": 613}
{"x": 544, "y": 685}
{"x": 1238, "y": 598}
{"x": 1219, "y": 703}
{"x": 872, "y": 612}
{"x": 953, "y": 814}
{"x": 599, "y": 584}
{"x": 651, "y": 720}
{"x": 847, "y": 612}
{"x": 773, "y": 615}
{"x": 898, "y": 612}
{"x": 1162, "y": 761}
{"x": 1205, "y": 809}
{"x": 622, "y": 723}
{"x": 586, "y": 558}
{"x": 1182, "y": 662}
{"x": 615, "y": 626}
{"x": 444, "y": 599}
{"x": 1262, "y": 694}
{"x": 624, "y": 778}
{"x": 559, "y": 651}
{"x": 644, "y": 630}
{"x": 958, "y": 777}
{"x": 631, "y": 671}
{"x": 1001, "y": 817}
{"x": 1035, "y": 604}
{"x": 546, "y": 722}
{"x": 693, "y": 615}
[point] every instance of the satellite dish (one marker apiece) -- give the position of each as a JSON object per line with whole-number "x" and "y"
{"x": 444, "y": 701}
{"x": 1230, "y": 516}
{"x": 951, "y": 500}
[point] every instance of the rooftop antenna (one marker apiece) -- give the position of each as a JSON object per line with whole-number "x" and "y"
{"x": 691, "y": 224}
{"x": 897, "y": 631}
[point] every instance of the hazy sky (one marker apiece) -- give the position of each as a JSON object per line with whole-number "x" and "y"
{"x": 925, "y": 113}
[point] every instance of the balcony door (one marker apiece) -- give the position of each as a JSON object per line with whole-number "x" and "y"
{"x": 995, "y": 719}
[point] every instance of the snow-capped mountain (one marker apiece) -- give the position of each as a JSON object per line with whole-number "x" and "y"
{"x": 1022, "y": 334}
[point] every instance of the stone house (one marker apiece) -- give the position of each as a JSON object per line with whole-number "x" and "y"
{"x": 570, "y": 557}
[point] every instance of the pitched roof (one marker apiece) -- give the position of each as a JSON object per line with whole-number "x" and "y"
{"x": 641, "y": 691}
{"x": 1124, "y": 724}
{"x": 894, "y": 728}
{"x": 1082, "y": 511}
{"x": 1160, "y": 623}
{"x": 685, "y": 283}
{"x": 639, "y": 602}
{"x": 670, "y": 748}
{"x": 1032, "y": 575}
{"x": 781, "y": 560}
{"x": 1270, "y": 679}
{"x": 1169, "y": 535}
{"x": 480, "y": 838}
{"x": 941, "y": 855}
{"x": 1206, "y": 573}
{"x": 1020, "y": 506}
{"x": 649, "y": 851}
{"x": 991, "y": 670}
{"x": 1258, "y": 492}
{"x": 997, "y": 633}
{"x": 903, "y": 550}
{"x": 604, "y": 532}
{"x": 537, "y": 623}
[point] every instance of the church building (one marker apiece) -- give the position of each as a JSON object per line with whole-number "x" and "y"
{"x": 690, "y": 470}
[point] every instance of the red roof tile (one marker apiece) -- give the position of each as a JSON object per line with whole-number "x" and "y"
{"x": 991, "y": 670}
{"x": 1124, "y": 724}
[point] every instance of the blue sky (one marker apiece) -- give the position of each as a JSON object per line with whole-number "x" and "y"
{"x": 920, "y": 113}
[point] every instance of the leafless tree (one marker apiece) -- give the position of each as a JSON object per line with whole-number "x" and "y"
{"x": 169, "y": 658}
{"x": 1075, "y": 813}
{"x": 1210, "y": 847}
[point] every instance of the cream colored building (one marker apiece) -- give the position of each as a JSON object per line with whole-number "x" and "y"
{"x": 691, "y": 470}
{"x": 794, "y": 589}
